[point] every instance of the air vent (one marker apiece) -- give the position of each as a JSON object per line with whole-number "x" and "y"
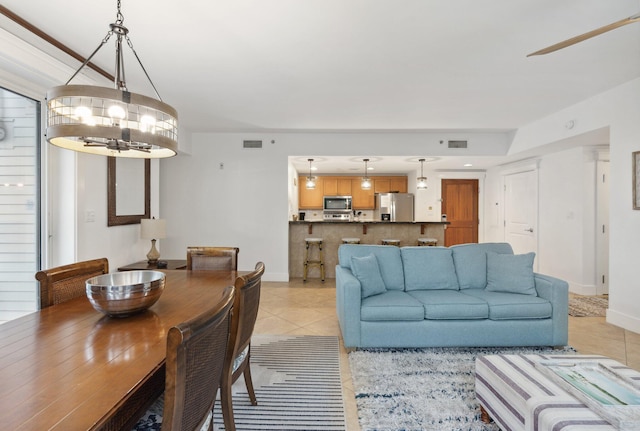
{"x": 251, "y": 144}
{"x": 457, "y": 144}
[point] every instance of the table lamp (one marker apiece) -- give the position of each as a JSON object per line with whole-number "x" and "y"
{"x": 153, "y": 229}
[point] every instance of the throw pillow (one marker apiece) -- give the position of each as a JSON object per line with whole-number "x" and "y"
{"x": 428, "y": 268}
{"x": 367, "y": 272}
{"x": 511, "y": 273}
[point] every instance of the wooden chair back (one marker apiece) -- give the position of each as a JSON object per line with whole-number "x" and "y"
{"x": 211, "y": 258}
{"x": 196, "y": 351}
{"x": 245, "y": 312}
{"x": 67, "y": 282}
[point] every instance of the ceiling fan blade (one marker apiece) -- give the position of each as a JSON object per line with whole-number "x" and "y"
{"x": 588, "y": 35}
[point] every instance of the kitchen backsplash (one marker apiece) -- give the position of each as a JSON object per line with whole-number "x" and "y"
{"x": 316, "y": 215}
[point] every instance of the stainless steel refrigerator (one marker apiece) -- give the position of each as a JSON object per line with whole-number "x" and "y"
{"x": 394, "y": 206}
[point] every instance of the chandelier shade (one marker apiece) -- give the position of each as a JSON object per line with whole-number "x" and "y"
{"x": 111, "y": 121}
{"x": 421, "y": 183}
{"x": 365, "y": 184}
{"x": 311, "y": 180}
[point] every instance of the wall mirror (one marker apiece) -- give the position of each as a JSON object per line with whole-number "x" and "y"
{"x": 128, "y": 190}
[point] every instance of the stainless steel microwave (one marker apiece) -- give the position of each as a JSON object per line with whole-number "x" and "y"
{"x": 336, "y": 203}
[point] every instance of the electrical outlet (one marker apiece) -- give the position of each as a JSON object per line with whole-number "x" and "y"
{"x": 89, "y": 216}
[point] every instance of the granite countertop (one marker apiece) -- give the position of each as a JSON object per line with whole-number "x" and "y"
{"x": 365, "y": 222}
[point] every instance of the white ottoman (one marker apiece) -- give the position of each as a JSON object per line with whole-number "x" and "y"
{"x": 517, "y": 396}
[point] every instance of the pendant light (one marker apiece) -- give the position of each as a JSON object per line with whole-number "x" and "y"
{"x": 366, "y": 181}
{"x": 422, "y": 180}
{"x": 111, "y": 121}
{"x": 311, "y": 180}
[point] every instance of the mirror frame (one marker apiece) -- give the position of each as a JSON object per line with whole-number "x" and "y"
{"x": 117, "y": 220}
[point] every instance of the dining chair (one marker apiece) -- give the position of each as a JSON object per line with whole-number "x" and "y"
{"x": 212, "y": 258}
{"x": 196, "y": 352}
{"x": 66, "y": 282}
{"x": 237, "y": 361}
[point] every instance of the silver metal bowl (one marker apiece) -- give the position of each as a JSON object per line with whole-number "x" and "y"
{"x": 122, "y": 294}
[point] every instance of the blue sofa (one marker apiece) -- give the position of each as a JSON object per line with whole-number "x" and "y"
{"x": 465, "y": 295}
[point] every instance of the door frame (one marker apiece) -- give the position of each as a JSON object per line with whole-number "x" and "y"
{"x": 602, "y": 222}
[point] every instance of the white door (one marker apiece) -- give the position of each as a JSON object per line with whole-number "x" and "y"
{"x": 602, "y": 226}
{"x": 521, "y": 211}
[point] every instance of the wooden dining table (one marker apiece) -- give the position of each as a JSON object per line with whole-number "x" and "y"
{"x": 70, "y": 367}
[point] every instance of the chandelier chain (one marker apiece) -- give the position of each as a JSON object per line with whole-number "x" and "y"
{"x": 119, "y": 15}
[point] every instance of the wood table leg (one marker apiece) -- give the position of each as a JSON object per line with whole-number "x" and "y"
{"x": 484, "y": 415}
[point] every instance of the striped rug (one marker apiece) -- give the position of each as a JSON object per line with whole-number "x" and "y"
{"x": 297, "y": 384}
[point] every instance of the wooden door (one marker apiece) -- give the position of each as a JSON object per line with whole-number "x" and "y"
{"x": 460, "y": 204}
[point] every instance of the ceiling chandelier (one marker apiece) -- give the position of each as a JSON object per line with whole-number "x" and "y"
{"x": 365, "y": 184}
{"x": 422, "y": 180}
{"x": 311, "y": 180}
{"x": 111, "y": 121}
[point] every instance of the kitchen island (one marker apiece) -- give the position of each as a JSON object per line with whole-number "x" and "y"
{"x": 369, "y": 232}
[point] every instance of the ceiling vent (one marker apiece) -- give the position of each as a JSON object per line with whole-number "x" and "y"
{"x": 251, "y": 144}
{"x": 457, "y": 144}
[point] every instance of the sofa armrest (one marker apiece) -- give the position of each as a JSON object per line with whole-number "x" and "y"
{"x": 348, "y": 302}
{"x": 556, "y": 291}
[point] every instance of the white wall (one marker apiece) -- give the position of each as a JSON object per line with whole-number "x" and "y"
{"x": 618, "y": 109}
{"x": 120, "y": 244}
{"x": 566, "y": 229}
{"x": 247, "y": 204}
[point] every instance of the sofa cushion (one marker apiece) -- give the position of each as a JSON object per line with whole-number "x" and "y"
{"x": 367, "y": 271}
{"x": 511, "y": 273}
{"x": 391, "y": 305}
{"x": 503, "y": 306}
{"x": 389, "y": 261}
{"x": 450, "y": 305}
{"x": 428, "y": 268}
{"x": 471, "y": 262}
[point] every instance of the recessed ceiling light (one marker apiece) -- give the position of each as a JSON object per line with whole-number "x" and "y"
{"x": 468, "y": 165}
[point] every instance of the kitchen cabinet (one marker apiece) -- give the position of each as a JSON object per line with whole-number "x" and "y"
{"x": 344, "y": 186}
{"x": 337, "y": 186}
{"x": 361, "y": 199}
{"x": 347, "y": 186}
{"x": 398, "y": 184}
{"x": 310, "y": 199}
{"x": 390, "y": 184}
{"x": 381, "y": 185}
{"x": 330, "y": 186}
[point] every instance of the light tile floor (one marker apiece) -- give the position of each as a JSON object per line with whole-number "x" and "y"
{"x": 308, "y": 308}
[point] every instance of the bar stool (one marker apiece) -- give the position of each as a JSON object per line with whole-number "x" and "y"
{"x": 429, "y": 242}
{"x": 319, "y": 261}
{"x": 351, "y": 240}
{"x": 395, "y": 242}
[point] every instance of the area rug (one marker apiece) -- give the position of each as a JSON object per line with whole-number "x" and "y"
{"x": 588, "y": 306}
{"x": 422, "y": 389}
{"x": 297, "y": 385}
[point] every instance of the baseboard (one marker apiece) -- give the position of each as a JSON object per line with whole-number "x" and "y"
{"x": 583, "y": 289}
{"x": 275, "y": 276}
{"x": 622, "y": 320}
